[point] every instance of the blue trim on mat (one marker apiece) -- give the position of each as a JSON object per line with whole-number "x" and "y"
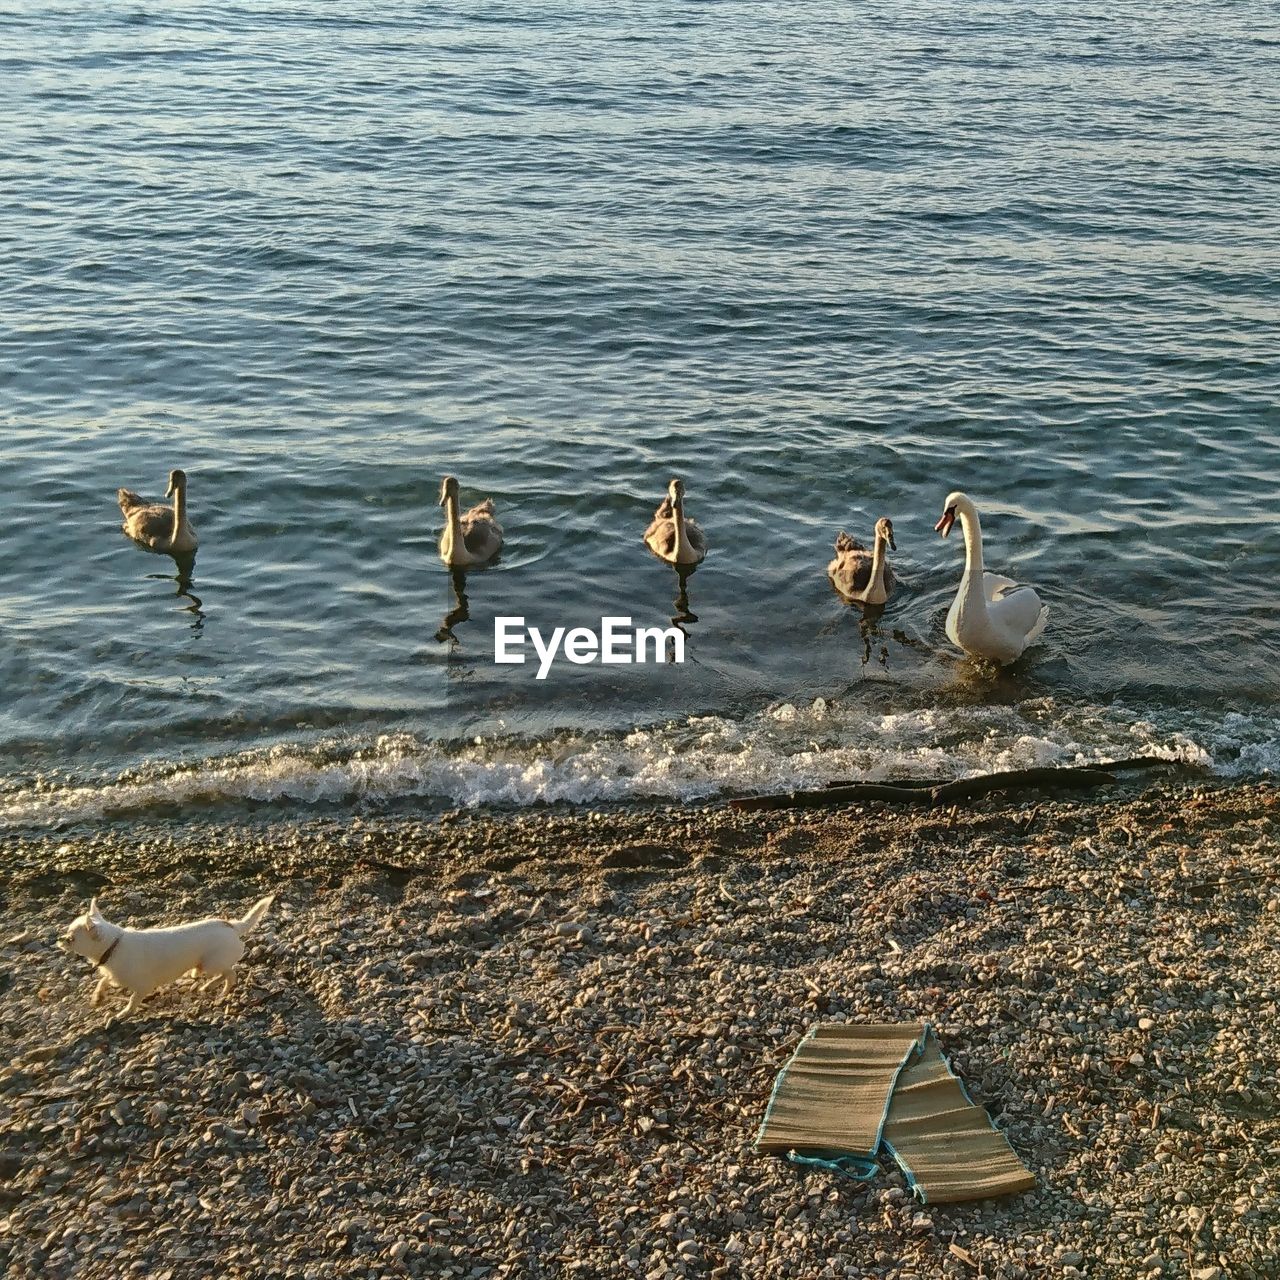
{"x": 916, "y": 1189}
{"x": 847, "y": 1166}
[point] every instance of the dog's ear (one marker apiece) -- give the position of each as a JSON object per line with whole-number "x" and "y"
{"x": 95, "y": 916}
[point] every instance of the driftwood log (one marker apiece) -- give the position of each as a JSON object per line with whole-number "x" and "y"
{"x": 940, "y": 792}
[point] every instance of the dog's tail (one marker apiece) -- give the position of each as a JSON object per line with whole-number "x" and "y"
{"x": 255, "y": 914}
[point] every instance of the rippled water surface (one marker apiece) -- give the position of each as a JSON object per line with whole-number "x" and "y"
{"x": 825, "y": 262}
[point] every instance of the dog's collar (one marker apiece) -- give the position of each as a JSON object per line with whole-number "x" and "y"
{"x": 107, "y": 954}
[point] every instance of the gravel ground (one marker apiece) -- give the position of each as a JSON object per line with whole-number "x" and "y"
{"x": 542, "y": 1046}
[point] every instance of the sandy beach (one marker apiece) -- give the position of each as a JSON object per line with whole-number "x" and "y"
{"x": 542, "y": 1045}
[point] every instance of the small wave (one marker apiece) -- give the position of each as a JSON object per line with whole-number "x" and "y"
{"x": 700, "y": 758}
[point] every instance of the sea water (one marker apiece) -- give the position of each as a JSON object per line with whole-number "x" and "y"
{"x": 822, "y": 262}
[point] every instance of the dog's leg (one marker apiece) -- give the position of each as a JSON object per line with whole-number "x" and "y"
{"x": 96, "y": 999}
{"x": 135, "y": 999}
{"x": 228, "y": 983}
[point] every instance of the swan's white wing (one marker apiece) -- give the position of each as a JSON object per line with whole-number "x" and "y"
{"x": 1017, "y": 611}
{"x": 1034, "y": 633}
{"x": 994, "y": 584}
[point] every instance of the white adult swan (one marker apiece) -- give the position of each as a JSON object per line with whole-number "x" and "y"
{"x": 991, "y": 617}
{"x": 670, "y": 536}
{"x": 155, "y": 526}
{"x": 862, "y": 576}
{"x": 472, "y": 538}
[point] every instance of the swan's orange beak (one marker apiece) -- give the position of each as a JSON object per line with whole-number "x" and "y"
{"x": 948, "y": 519}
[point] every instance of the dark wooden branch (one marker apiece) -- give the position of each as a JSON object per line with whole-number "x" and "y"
{"x": 911, "y": 784}
{"x": 1110, "y": 766}
{"x": 1075, "y": 777}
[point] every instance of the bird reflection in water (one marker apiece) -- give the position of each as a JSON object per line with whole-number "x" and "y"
{"x": 461, "y": 611}
{"x": 683, "y": 613}
{"x": 873, "y": 637}
{"x": 185, "y": 565}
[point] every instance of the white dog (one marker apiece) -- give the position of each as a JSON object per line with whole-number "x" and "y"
{"x": 141, "y": 960}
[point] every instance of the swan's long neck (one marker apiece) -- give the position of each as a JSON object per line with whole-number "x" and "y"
{"x": 972, "y": 588}
{"x": 682, "y": 545}
{"x": 454, "y": 521}
{"x": 179, "y": 511}
{"x": 876, "y": 582}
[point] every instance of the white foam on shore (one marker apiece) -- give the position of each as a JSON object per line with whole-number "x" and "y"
{"x": 784, "y": 747}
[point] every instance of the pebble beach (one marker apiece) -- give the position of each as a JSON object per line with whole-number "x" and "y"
{"x": 541, "y": 1045}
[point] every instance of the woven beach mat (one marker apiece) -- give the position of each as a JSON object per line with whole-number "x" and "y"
{"x": 850, "y": 1091}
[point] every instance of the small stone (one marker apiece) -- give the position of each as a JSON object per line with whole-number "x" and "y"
{"x": 398, "y": 1251}
{"x": 1146, "y": 1024}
